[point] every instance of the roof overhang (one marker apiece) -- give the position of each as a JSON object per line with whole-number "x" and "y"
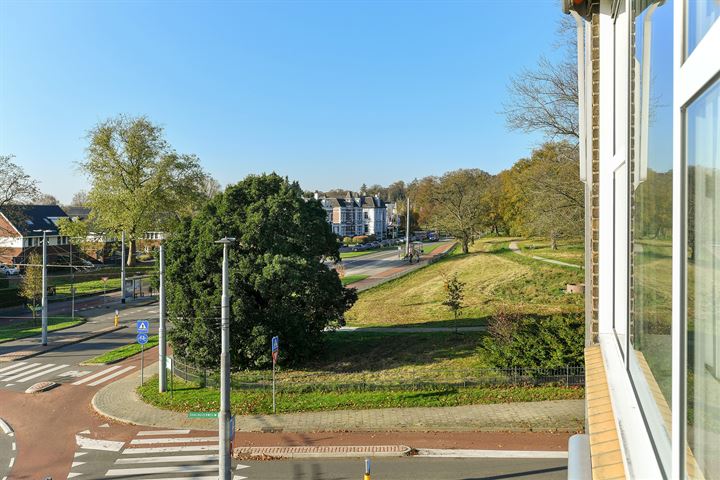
{"x": 581, "y": 7}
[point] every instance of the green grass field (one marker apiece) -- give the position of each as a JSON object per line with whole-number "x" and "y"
{"x": 121, "y": 353}
{"x": 23, "y": 328}
{"x": 569, "y": 250}
{"x": 189, "y": 397}
{"x": 494, "y": 277}
{"x": 347, "y": 280}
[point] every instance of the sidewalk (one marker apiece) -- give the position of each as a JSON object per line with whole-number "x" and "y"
{"x": 397, "y": 272}
{"x": 119, "y": 401}
{"x": 99, "y": 324}
{"x": 513, "y": 246}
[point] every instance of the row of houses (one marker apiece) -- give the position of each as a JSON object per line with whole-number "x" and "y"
{"x": 359, "y": 215}
{"x": 22, "y": 227}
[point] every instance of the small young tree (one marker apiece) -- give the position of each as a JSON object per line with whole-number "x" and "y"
{"x": 31, "y": 285}
{"x": 454, "y": 293}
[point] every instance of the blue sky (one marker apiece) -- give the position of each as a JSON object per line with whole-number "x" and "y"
{"x": 330, "y": 93}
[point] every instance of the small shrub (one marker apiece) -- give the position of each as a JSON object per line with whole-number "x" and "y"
{"x": 534, "y": 342}
{"x": 347, "y": 240}
{"x": 360, "y": 239}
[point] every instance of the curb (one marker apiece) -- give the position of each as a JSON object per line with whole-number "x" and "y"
{"x": 323, "y": 452}
{"x": 458, "y": 453}
{"x": 64, "y": 344}
{"x": 5, "y": 427}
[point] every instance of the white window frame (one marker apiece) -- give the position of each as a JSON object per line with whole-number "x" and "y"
{"x": 692, "y": 74}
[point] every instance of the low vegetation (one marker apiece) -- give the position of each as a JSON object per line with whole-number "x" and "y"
{"x": 26, "y": 327}
{"x": 121, "y": 353}
{"x": 347, "y": 280}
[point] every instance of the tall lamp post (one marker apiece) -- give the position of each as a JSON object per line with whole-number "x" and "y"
{"x": 122, "y": 267}
{"x": 225, "y": 467}
{"x": 44, "y": 286}
{"x": 162, "y": 345}
{"x": 407, "y": 228}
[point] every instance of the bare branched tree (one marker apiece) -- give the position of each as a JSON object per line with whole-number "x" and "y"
{"x": 545, "y": 98}
{"x": 17, "y": 186}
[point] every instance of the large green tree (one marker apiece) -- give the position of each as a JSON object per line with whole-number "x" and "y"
{"x": 278, "y": 284}
{"x": 138, "y": 182}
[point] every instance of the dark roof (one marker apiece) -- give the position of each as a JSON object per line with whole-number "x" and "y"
{"x": 366, "y": 202}
{"x": 81, "y": 213}
{"x": 26, "y": 218}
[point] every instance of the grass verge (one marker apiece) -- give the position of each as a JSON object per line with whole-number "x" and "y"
{"x": 23, "y": 328}
{"x": 190, "y": 397}
{"x": 121, "y": 353}
{"x": 347, "y": 280}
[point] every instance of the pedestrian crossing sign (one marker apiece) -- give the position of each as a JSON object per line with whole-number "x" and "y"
{"x": 143, "y": 326}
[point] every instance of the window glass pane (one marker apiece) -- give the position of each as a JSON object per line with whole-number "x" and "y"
{"x": 701, "y": 14}
{"x": 703, "y": 275}
{"x": 649, "y": 361}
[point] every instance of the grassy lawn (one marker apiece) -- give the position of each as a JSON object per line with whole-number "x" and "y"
{"x": 27, "y": 328}
{"x": 189, "y": 397}
{"x": 348, "y": 279}
{"x": 569, "y": 250}
{"x": 494, "y": 277}
{"x": 121, "y": 353}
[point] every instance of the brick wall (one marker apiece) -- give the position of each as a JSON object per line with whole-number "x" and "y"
{"x": 595, "y": 179}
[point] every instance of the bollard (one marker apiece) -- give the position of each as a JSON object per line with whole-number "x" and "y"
{"x": 367, "y": 469}
{"x": 117, "y": 318}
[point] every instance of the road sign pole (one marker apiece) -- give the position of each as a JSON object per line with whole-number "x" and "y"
{"x": 162, "y": 382}
{"x": 225, "y": 464}
{"x": 273, "y": 386}
{"x": 142, "y": 364}
{"x": 122, "y": 268}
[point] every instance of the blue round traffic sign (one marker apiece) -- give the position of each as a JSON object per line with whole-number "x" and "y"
{"x": 142, "y": 338}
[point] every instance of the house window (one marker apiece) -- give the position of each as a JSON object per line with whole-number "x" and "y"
{"x": 651, "y": 147}
{"x": 703, "y": 283}
{"x": 701, "y": 14}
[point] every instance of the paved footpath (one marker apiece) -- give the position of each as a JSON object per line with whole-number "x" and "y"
{"x": 513, "y": 246}
{"x": 119, "y": 401}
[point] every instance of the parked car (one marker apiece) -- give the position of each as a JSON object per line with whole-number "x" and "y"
{"x": 9, "y": 270}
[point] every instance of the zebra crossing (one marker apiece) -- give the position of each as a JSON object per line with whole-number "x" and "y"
{"x": 155, "y": 454}
{"x": 22, "y": 373}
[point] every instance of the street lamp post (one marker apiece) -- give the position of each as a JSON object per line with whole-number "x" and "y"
{"x": 225, "y": 466}
{"x": 162, "y": 347}
{"x": 122, "y": 267}
{"x": 44, "y": 301}
{"x": 407, "y": 228}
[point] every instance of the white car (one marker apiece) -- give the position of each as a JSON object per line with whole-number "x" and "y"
{"x": 9, "y": 270}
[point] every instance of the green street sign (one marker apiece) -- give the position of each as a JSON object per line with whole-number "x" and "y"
{"x": 202, "y": 414}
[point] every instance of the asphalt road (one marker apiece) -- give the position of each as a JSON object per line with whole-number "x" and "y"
{"x": 408, "y": 468}
{"x": 8, "y": 451}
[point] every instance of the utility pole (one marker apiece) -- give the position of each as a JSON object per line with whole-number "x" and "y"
{"x": 407, "y": 228}
{"x": 122, "y": 267}
{"x": 44, "y": 301}
{"x": 72, "y": 283}
{"x": 161, "y": 328}
{"x": 225, "y": 434}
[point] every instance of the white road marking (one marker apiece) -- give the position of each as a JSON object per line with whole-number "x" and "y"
{"x": 14, "y": 365}
{"x": 91, "y": 444}
{"x": 79, "y": 454}
{"x": 185, "y": 448}
{"x": 452, "y": 453}
{"x": 5, "y": 427}
{"x": 145, "y": 441}
{"x": 17, "y": 369}
{"x": 95, "y": 375}
{"x": 176, "y": 458}
{"x": 73, "y": 474}
{"x": 163, "y": 432}
{"x": 9, "y": 384}
{"x": 25, "y": 379}
{"x": 32, "y": 370}
{"x": 12, "y": 462}
{"x": 105, "y": 425}
{"x": 75, "y": 373}
{"x": 85, "y": 431}
{"x": 77, "y": 464}
{"x": 152, "y": 470}
{"x": 195, "y": 477}
{"x": 13, "y": 446}
{"x": 240, "y": 467}
{"x": 112, "y": 375}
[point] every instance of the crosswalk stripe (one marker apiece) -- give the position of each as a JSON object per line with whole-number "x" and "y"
{"x": 95, "y": 375}
{"x": 170, "y": 469}
{"x": 163, "y": 432}
{"x": 14, "y": 365}
{"x": 184, "y": 448}
{"x": 44, "y": 372}
{"x": 112, "y": 375}
{"x": 175, "y": 458}
{"x": 42, "y": 366}
{"x": 16, "y": 369}
{"x": 145, "y": 441}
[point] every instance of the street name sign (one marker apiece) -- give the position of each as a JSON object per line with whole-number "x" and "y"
{"x": 143, "y": 326}
{"x": 202, "y": 414}
{"x": 275, "y": 348}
